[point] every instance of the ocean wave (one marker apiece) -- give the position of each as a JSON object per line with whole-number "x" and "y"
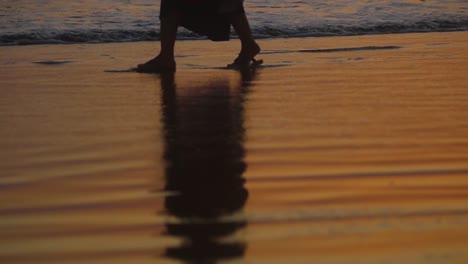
{"x": 277, "y": 31}
{"x": 77, "y": 36}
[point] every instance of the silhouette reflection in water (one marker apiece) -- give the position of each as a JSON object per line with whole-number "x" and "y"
{"x": 204, "y": 153}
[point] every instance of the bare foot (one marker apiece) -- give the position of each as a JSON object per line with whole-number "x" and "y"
{"x": 157, "y": 65}
{"x": 246, "y": 55}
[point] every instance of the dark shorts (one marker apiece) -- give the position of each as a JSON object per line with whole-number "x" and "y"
{"x": 205, "y": 17}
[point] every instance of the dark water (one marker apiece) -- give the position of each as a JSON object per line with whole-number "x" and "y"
{"x": 55, "y": 21}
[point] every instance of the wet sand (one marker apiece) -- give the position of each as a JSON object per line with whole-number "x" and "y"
{"x": 336, "y": 150}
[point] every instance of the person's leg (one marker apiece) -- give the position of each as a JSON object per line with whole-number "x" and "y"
{"x": 168, "y": 36}
{"x": 164, "y": 61}
{"x": 249, "y": 47}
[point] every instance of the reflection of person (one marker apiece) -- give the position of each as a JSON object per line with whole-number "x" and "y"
{"x": 204, "y": 154}
{"x": 212, "y": 18}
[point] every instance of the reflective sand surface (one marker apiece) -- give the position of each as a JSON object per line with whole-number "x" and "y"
{"x": 324, "y": 155}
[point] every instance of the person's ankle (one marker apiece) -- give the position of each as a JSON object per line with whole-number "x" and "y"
{"x": 165, "y": 59}
{"x": 251, "y": 49}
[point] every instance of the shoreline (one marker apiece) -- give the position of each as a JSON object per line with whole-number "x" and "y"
{"x": 227, "y": 50}
{"x": 234, "y": 38}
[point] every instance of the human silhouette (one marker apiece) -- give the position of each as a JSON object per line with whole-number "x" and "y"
{"x": 211, "y": 18}
{"x": 204, "y": 153}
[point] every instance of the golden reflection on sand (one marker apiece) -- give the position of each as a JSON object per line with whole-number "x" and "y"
{"x": 332, "y": 152}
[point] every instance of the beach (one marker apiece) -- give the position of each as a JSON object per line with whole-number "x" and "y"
{"x": 336, "y": 150}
